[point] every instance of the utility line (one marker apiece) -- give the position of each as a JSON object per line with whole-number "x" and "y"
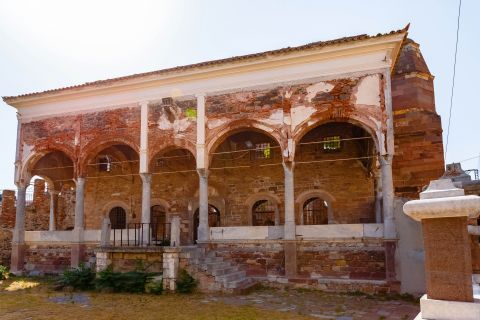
{"x": 453, "y": 80}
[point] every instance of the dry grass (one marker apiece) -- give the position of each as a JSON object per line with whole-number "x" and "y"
{"x": 31, "y": 299}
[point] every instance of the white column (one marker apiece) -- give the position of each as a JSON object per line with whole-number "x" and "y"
{"x": 78, "y": 230}
{"x": 144, "y": 137}
{"x": 203, "y": 231}
{"x": 289, "y": 202}
{"x": 203, "y": 227}
{"x": 386, "y": 163}
{"x": 388, "y": 195}
{"x": 53, "y": 207}
{"x": 175, "y": 231}
{"x": 146, "y": 203}
{"x": 19, "y": 230}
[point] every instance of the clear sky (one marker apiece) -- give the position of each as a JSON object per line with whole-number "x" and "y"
{"x": 48, "y": 44}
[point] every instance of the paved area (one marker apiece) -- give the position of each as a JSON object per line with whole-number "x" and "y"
{"x": 323, "y": 305}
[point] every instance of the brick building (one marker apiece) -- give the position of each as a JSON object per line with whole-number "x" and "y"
{"x": 289, "y": 163}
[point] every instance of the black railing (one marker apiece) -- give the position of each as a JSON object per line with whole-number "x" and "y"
{"x": 142, "y": 234}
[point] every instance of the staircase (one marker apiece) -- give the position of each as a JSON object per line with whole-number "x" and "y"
{"x": 216, "y": 274}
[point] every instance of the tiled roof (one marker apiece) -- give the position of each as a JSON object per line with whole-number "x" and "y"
{"x": 313, "y": 45}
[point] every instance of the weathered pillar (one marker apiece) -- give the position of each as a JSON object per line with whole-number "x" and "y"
{"x": 53, "y": 208}
{"x": 387, "y": 196}
{"x": 289, "y": 202}
{"x": 171, "y": 259}
{"x": 78, "y": 246}
{"x": 378, "y": 198}
{"x": 18, "y": 239}
{"x": 175, "y": 231}
{"x": 443, "y": 211}
{"x": 146, "y": 203}
{"x": 290, "y": 245}
{"x": 203, "y": 227}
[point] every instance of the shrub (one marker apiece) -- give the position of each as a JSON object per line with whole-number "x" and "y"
{"x": 133, "y": 281}
{"x": 154, "y": 285}
{"x": 78, "y": 278}
{"x": 185, "y": 282}
{"x": 4, "y": 272}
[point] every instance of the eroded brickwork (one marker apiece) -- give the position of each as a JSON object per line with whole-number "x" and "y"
{"x": 418, "y": 130}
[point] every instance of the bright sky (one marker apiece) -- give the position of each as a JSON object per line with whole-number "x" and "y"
{"x": 48, "y": 44}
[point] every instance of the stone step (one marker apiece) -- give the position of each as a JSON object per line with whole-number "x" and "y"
{"x": 216, "y": 265}
{"x": 229, "y": 277}
{"x": 209, "y": 260}
{"x": 240, "y": 283}
{"x": 223, "y": 271}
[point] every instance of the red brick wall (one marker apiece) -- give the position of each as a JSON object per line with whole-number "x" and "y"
{"x": 47, "y": 258}
{"x": 364, "y": 260}
{"x": 7, "y": 213}
{"x": 418, "y": 131}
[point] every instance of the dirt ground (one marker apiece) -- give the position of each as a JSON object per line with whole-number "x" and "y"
{"x": 35, "y": 299}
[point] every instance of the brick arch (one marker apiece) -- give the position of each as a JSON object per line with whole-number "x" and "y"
{"x": 252, "y": 199}
{"x": 317, "y": 193}
{"x": 37, "y": 154}
{"x": 219, "y": 136}
{"x": 166, "y": 148}
{"x": 95, "y": 146}
{"x": 368, "y": 125}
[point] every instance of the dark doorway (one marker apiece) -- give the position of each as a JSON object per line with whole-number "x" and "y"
{"x": 263, "y": 213}
{"x": 158, "y": 220}
{"x": 118, "y": 218}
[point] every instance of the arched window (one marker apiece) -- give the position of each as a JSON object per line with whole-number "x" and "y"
{"x": 157, "y": 215}
{"x": 213, "y": 219}
{"x": 315, "y": 211}
{"x": 118, "y": 218}
{"x": 263, "y": 213}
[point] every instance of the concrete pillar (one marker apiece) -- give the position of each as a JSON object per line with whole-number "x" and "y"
{"x": 443, "y": 210}
{"x": 18, "y": 239}
{"x": 78, "y": 247}
{"x": 146, "y": 204}
{"x": 387, "y": 195}
{"x": 203, "y": 227}
{"x": 53, "y": 208}
{"x": 289, "y": 202}
{"x": 175, "y": 231}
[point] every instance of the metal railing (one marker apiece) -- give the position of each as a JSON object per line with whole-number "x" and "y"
{"x": 142, "y": 234}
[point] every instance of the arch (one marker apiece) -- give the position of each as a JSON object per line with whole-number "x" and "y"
{"x": 219, "y": 136}
{"x": 254, "y": 198}
{"x": 369, "y": 126}
{"x": 165, "y": 150}
{"x": 177, "y": 144}
{"x": 116, "y": 203}
{"x": 91, "y": 150}
{"x": 302, "y": 198}
{"x": 27, "y": 170}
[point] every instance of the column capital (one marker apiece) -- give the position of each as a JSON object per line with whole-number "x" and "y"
{"x": 143, "y": 102}
{"x": 288, "y": 165}
{"x": 146, "y": 177}
{"x": 200, "y": 95}
{"x": 203, "y": 173}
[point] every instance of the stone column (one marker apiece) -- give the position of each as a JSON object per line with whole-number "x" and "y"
{"x": 18, "y": 239}
{"x": 203, "y": 227}
{"x": 78, "y": 247}
{"x": 387, "y": 195}
{"x": 290, "y": 247}
{"x": 106, "y": 231}
{"x": 443, "y": 211}
{"x": 378, "y": 198}
{"x": 289, "y": 202}
{"x": 175, "y": 231}
{"x": 53, "y": 208}
{"x": 146, "y": 204}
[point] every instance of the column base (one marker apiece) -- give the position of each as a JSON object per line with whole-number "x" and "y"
{"x": 290, "y": 249}
{"x": 77, "y": 254}
{"x": 18, "y": 259}
{"x": 447, "y": 310}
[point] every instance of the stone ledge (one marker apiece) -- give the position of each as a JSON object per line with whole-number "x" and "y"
{"x": 448, "y": 310}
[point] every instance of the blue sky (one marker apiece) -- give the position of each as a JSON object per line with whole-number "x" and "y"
{"x": 48, "y": 44}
